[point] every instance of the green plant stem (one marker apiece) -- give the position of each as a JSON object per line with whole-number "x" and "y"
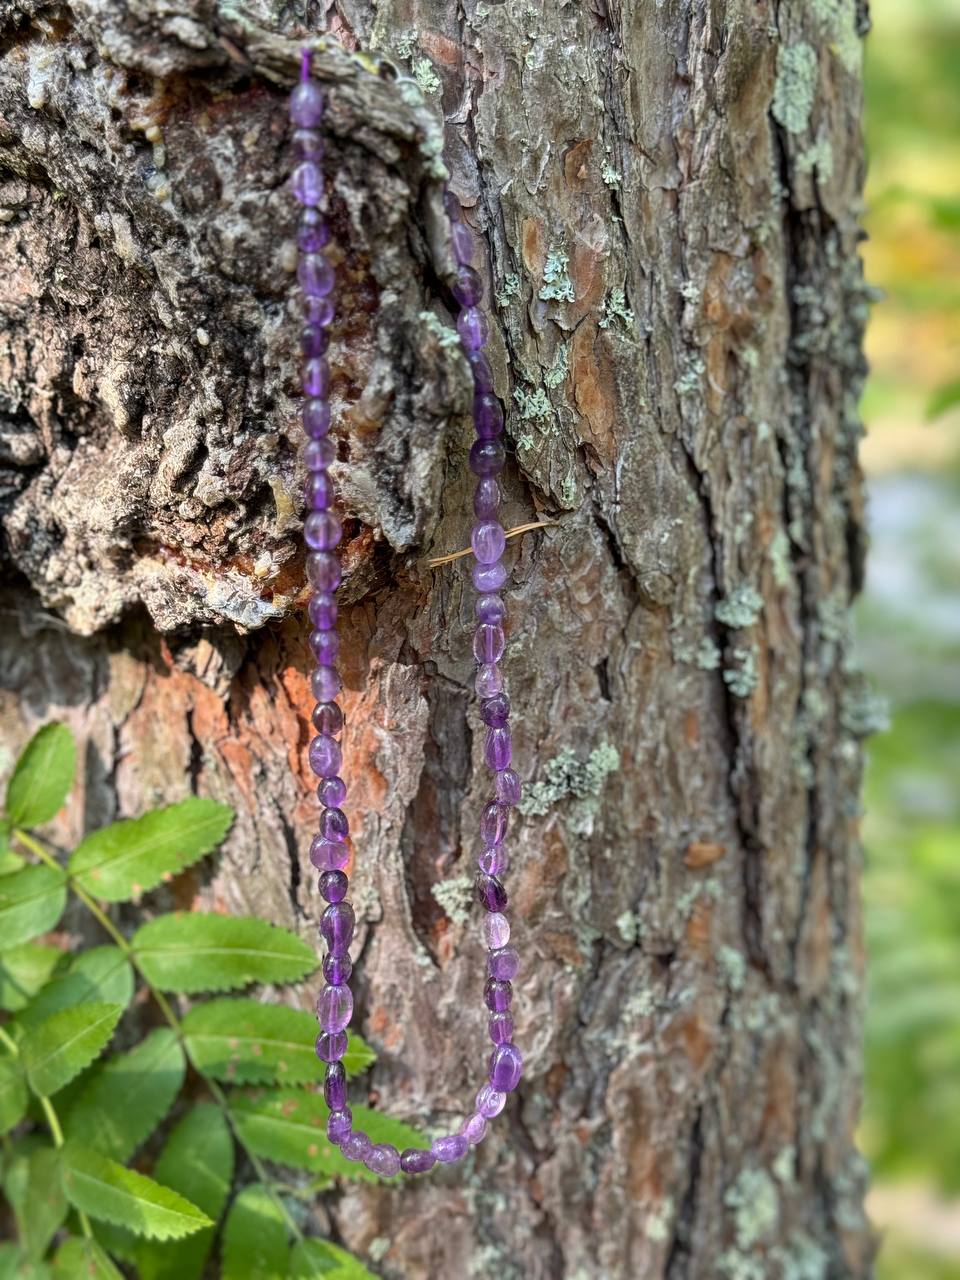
{"x": 34, "y": 846}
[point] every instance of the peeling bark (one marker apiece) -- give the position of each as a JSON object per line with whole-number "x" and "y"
{"x": 665, "y": 200}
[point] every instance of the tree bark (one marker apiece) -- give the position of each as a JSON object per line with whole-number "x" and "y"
{"x": 665, "y": 199}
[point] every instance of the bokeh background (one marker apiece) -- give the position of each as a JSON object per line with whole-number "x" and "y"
{"x": 908, "y": 624}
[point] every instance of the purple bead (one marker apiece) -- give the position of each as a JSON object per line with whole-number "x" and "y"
{"x": 498, "y": 750}
{"x": 356, "y": 1146}
{"x": 332, "y": 792}
{"x": 473, "y": 328}
{"x": 450, "y": 1148}
{"x": 491, "y": 893}
{"x": 335, "y": 1086}
{"x": 308, "y": 144}
{"x": 482, "y": 373}
{"x": 503, "y": 963}
{"x": 323, "y": 571}
{"x": 488, "y": 643}
{"x": 333, "y": 886}
{"x": 314, "y": 340}
{"x": 337, "y": 970}
{"x": 486, "y": 498}
{"x": 506, "y": 1067}
{"x": 500, "y": 1027}
{"x": 312, "y": 232}
{"x": 497, "y": 995}
{"x": 507, "y": 786}
{"x": 322, "y": 531}
{"x": 495, "y": 861}
{"x": 325, "y": 755}
{"x": 326, "y": 684}
{"x": 474, "y": 1129}
{"x": 327, "y": 716}
{"x": 495, "y": 711}
{"x": 319, "y": 491}
{"x": 462, "y": 242}
{"x": 488, "y": 578}
{"x": 487, "y": 416}
{"x": 496, "y": 930}
{"x": 490, "y": 1101}
{"x": 493, "y": 823}
{"x": 339, "y": 1125}
{"x": 318, "y": 454}
{"x": 334, "y": 1007}
{"x": 306, "y": 182}
{"x": 323, "y": 610}
{"x": 306, "y": 104}
{"x": 489, "y": 680}
{"x": 316, "y": 376}
{"x": 488, "y": 607}
{"x": 336, "y": 926}
{"x": 468, "y": 287}
{"x": 329, "y": 855}
{"x": 414, "y": 1160}
{"x": 334, "y": 824}
{"x": 315, "y": 275}
{"x": 383, "y": 1159}
{"x": 331, "y": 1045}
{"x": 317, "y": 310}
{"x": 487, "y": 457}
{"x": 488, "y": 542}
{"x": 316, "y": 417}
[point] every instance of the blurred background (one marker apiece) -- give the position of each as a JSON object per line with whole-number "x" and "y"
{"x": 908, "y": 624}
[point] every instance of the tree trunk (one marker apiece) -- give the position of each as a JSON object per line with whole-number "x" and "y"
{"x": 665, "y": 199}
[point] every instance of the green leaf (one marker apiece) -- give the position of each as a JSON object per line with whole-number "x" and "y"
{"x": 100, "y": 974}
{"x": 57, "y": 1049}
{"x": 15, "y": 1265}
{"x": 254, "y": 1238}
{"x": 23, "y": 971}
{"x": 359, "y": 1055}
{"x": 128, "y": 1096}
{"x": 122, "y": 861}
{"x": 42, "y": 776}
{"x": 311, "y": 1259}
{"x": 196, "y": 952}
{"x": 244, "y": 1042}
{"x": 106, "y": 1190}
{"x": 83, "y": 1259}
{"x": 31, "y": 902}
{"x": 13, "y": 1093}
{"x": 943, "y": 399}
{"x": 45, "y": 1205}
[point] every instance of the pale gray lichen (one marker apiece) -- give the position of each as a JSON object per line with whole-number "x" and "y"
{"x": 690, "y": 291}
{"x": 609, "y": 174}
{"x": 783, "y": 1165}
{"x": 740, "y": 608}
{"x": 742, "y": 679}
{"x": 559, "y": 368}
{"x": 627, "y": 926}
{"x": 509, "y": 289}
{"x": 425, "y": 76}
{"x": 446, "y": 337}
{"x": 533, "y": 404}
{"x": 657, "y": 1225}
{"x": 795, "y": 86}
{"x": 801, "y": 1259}
{"x": 817, "y": 158}
{"x": 732, "y": 966}
{"x": 779, "y": 554}
{"x": 707, "y": 656}
{"x": 566, "y": 775}
{"x": 837, "y": 20}
{"x": 615, "y": 308}
{"x": 557, "y": 285}
{"x": 689, "y": 380}
{"x": 755, "y": 1202}
{"x": 455, "y": 897}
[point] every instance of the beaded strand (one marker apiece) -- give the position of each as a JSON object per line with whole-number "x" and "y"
{"x": 329, "y": 850}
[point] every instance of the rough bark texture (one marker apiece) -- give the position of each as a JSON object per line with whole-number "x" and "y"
{"x": 665, "y": 197}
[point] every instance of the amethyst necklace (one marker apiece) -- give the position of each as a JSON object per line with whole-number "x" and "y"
{"x": 329, "y": 852}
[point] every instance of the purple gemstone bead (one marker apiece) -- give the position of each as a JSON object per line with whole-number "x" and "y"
{"x": 495, "y": 861}
{"x": 315, "y": 275}
{"x": 335, "y": 1086}
{"x": 333, "y": 886}
{"x": 383, "y": 1159}
{"x": 306, "y": 104}
{"x": 327, "y": 716}
{"x": 326, "y": 684}
{"x": 339, "y": 1125}
{"x": 498, "y": 750}
{"x": 495, "y": 711}
{"x": 487, "y": 416}
{"x": 482, "y": 373}
{"x": 488, "y": 643}
{"x": 503, "y": 963}
{"x": 322, "y": 531}
{"x": 316, "y": 418}
{"x": 507, "y": 786}
{"x": 468, "y": 287}
{"x": 314, "y": 340}
{"x": 489, "y": 680}
{"x": 488, "y": 578}
{"x": 497, "y": 995}
{"x": 487, "y": 457}
{"x": 319, "y": 491}
{"x": 308, "y": 144}
{"x": 336, "y": 926}
{"x": 500, "y": 1027}
{"x": 331, "y": 1045}
{"x": 490, "y": 1101}
{"x": 488, "y": 542}
{"x": 325, "y": 755}
{"x": 488, "y": 607}
{"x": 318, "y": 454}
{"x": 325, "y": 647}
{"x": 323, "y": 571}
{"x": 496, "y": 930}
{"x": 414, "y": 1160}
{"x": 486, "y": 498}
{"x": 329, "y": 855}
{"x": 356, "y": 1146}
{"x": 337, "y": 969}
{"x": 334, "y": 824}
{"x": 316, "y": 376}
{"x": 323, "y": 611}
{"x": 491, "y": 893}
{"x": 317, "y": 310}
{"x": 493, "y": 823}
{"x": 506, "y": 1067}
{"x": 474, "y": 1129}
{"x": 450, "y": 1148}
{"x": 312, "y": 233}
{"x": 334, "y": 1007}
{"x": 306, "y": 182}
{"x": 473, "y": 328}
{"x": 332, "y": 792}
{"x": 462, "y": 242}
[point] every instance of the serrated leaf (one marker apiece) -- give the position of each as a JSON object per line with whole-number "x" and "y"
{"x": 42, "y": 776}
{"x": 254, "y": 1238}
{"x": 100, "y": 974}
{"x": 106, "y": 1190}
{"x": 45, "y": 1205}
{"x": 359, "y": 1055}
{"x": 23, "y": 971}
{"x": 57, "y": 1049}
{"x": 128, "y": 1096}
{"x": 123, "y": 860}
{"x": 13, "y": 1093}
{"x": 244, "y": 1042}
{"x": 311, "y": 1259}
{"x": 196, "y": 952}
{"x": 83, "y": 1259}
{"x": 31, "y": 902}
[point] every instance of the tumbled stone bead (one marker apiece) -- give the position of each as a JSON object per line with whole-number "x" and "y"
{"x": 491, "y": 893}
{"x": 487, "y": 457}
{"x": 498, "y": 749}
{"x": 325, "y": 756}
{"x": 507, "y": 786}
{"x": 316, "y": 418}
{"x": 495, "y": 861}
{"x": 315, "y": 378}
{"x": 327, "y": 716}
{"x": 487, "y": 416}
{"x": 496, "y": 930}
{"x": 334, "y": 1007}
{"x": 325, "y": 647}
{"x": 339, "y": 1124}
{"x": 503, "y": 963}
{"x": 488, "y": 578}
{"x": 322, "y": 531}
{"x": 489, "y": 680}
{"x": 462, "y": 242}
{"x": 489, "y": 607}
{"x": 307, "y": 144}
{"x": 335, "y": 1086}
{"x": 317, "y": 310}
{"x": 306, "y": 183}
{"x": 334, "y": 824}
{"x": 356, "y": 1145}
{"x": 337, "y": 925}
{"x": 474, "y": 1129}
{"x": 331, "y": 1045}
{"x": 497, "y": 995}
{"x": 332, "y": 792}
{"x": 486, "y": 498}
{"x": 488, "y": 643}
{"x": 495, "y": 711}
{"x": 333, "y": 886}
{"x": 413, "y": 1160}
{"x": 490, "y": 1101}
{"x": 506, "y": 1067}
{"x": 306, "y": 104}
{"x": 468, "y": 287}
{"x": 482, "y": 372}
{"x": 450, "y": 1148}
{"x": 493, "y": 823}
{"x": 326, "y": 684}
{"x": 323, "y": 610}
{"x": 319, "y": 453}
{"x": 337, "y": 969}
{"x": 316, "y": 275}
{"x": 488, "y": 541}
{"x": 500, "y": 1027}
{"x": 323, "y": 570}
{"x": 319, "y": 491}
{"x": 312, "y": 231}
{"x": 383, "y": 1159}
{"x": 329, "y": 855}
{"x": 473, "y": 328}
{"x": 314, "y": 340}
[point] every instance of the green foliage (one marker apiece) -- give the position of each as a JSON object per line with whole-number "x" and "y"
{"x": 83, "y": 1258}
{"x": 57, "y": 1049}
{"x": 32, "y": 1185}
{"x": 13, "y": 1093}
{"x": 196, "y": 952}
{"x": 100, "y": 974}
{"x": 23, "y": 971}
{"x": 42, "y": 777}
{"x": 255, "y": 1238}
{"x": 106, "y": 1190}
{"x": 312, "y": 1259}
{"x": 31, "y": 902}
{"x": 243, "y": 1042}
